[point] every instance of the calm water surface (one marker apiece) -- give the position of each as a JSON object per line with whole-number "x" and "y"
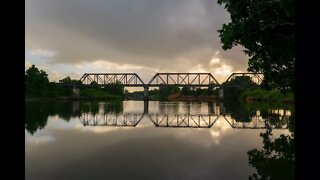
{"x": 157, "y": 140}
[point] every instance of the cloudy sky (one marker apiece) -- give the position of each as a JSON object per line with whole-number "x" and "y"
{"x": 71, "y": 37}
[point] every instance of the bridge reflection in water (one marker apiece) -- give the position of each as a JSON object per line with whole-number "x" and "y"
{"x": 183, "y": 120}
{"x": 257, "y": 122}
{"x": 276, "y": 119}
{"x": 112, "y": 119}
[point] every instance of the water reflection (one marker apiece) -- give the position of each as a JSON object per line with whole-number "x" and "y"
{"x": 276, "y": 160}
{"x": 86, "y": 134}
{"x": 167, "y": 114}
{"x": 183, "y": 120}
{"x": 37, "y": 113}
{"x": 112, "y": 119}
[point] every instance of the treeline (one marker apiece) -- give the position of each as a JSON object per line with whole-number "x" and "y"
{"x": 37, "y": 112}
{"x": 243, "y": 88}
{"x": 37, "y": 85}
{"x": 166, "y": 91}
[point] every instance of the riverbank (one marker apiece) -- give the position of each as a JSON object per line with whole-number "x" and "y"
{"x": 261, "y": 95}
{"x": 192, "y": 97}
{"x": 71, "y": 98}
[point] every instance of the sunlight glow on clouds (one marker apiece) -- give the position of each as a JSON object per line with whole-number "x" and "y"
{"x": 224, "y": 70}
{"x": 67, "y": 38}
{"x": 220, "y": 128}
{"x": 214, "y": 61}
{"x": 43, "y": 52}
{"x": 107, "y": 66}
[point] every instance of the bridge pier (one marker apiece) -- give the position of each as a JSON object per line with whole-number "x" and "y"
{"x": 221, "y": 93}
{"x": 75, "y": 91}
{"x": 145, "y": 107}
{"x": 75, "y": 107}
{"x": 221, "y": 109}
{"x": 146, "y": 92}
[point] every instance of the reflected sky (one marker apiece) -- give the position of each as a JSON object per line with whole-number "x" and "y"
{"x": 66, "y": 149}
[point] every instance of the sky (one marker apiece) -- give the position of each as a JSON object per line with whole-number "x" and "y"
{"x": 73, "y": 37}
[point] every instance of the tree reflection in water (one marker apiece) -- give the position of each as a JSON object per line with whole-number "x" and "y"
{"x": 277, "y": 158}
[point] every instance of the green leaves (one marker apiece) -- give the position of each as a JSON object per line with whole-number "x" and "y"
{"x": 36, "y": 82}
{"x": 266, "y": 30}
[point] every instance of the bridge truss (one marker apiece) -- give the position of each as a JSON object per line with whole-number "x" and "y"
{"x": 183, "y": 120}
{"x": 102, "y": 79}
{"x": 255, "y": 77}
{"x": 256, "y": 122}
{"x": 115, "y": 120}
{"x": 183, "y": 79}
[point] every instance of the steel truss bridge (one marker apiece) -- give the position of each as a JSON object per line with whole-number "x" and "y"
{"x": 159, "y": 79}
{"x": 178, "y": 121}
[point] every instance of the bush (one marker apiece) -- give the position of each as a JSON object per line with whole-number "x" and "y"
{"x": 264, "y": 95}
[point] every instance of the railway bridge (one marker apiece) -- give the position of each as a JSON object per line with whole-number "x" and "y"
{"x": 158, "y": 80}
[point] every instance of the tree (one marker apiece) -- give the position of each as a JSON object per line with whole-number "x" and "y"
{"x": 186, "y": 90}
{"x": 116, "y": 88}
{"x": 277, "y": 158}
{"x": 235, "y": 87}
{"x": 69, "y": 80}
{"x": 36, "y": 82}
{"x": 266, "y": 29}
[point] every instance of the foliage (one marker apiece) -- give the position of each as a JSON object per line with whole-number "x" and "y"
{"x": 69, "y": 80}
{"x": 243, "y": 82}
{"x": 186, "y": 90}
{"x": 165, "y": 91}
{"x": 264, "y": 95}
{"x": 114, "y": 107}
{"x": 97, "y": 93}
{"x": 36, "y": 82}
{"x": 266, "y": 29}
{"x": 235, "y": 87}
{"x": 239, "y": 111}
{"x": 110, "y": 91}
{"x": 37, "y": 113}
{"x": 37, "y": 85}
{"x": 277, "y": 158}
{"x": 115, "y": 89}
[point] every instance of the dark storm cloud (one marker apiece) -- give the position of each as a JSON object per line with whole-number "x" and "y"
{"x": 153, "y": 33}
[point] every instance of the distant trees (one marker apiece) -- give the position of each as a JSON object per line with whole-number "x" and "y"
{"x": 266, "y": 29}
{"x": 37, "y": 85}
{"x": 243, "y": 82}
{"x": 165, "y": 91}
{"x": 235, "y": 87}
{"x": 69, "y": 80}
{"x": 116, "y": 88}
{"x": 36, "y": 82}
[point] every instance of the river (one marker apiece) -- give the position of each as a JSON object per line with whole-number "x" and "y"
{"x": 156, "y": 140}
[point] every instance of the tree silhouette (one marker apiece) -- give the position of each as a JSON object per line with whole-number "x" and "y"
{"x": 266, "y": 29}
{"x": 36, "y": 82}
{"x": 277, "y": 158}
